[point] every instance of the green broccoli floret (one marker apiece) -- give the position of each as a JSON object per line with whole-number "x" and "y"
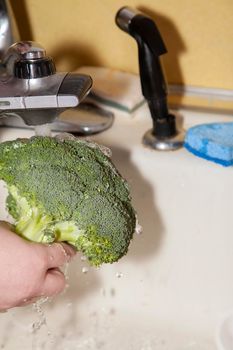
{"x": 68, "y": 190}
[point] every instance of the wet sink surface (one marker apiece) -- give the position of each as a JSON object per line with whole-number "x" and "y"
{"x": 174, "y": 285}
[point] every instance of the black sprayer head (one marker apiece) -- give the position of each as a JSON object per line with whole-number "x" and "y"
{"x": 141, "y": 27}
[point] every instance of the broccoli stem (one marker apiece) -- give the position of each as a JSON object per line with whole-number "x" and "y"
{"x": 31, "y": 223}
{"x": 67, "y": 231}
{"x": 34, "y": 228}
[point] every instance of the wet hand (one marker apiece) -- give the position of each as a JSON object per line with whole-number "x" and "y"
{"x": 29, "y": 270}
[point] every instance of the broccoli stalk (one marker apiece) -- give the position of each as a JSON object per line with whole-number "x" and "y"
{"x": 68, "y": 191}
{"x": 30, "y": 221}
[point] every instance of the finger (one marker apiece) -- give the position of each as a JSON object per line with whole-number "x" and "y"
{"x": 6, "y": 225}
{"x": 54, "y": 283}
{"x": 58, "y": 254}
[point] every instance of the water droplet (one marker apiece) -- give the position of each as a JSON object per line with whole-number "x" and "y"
{"x": 119, "y": 274}
{"x": 138, "y": 229}
{"x": 65, "y": 136}
{"x": 112, "y": 292}
{"x": 112, "y": 311}
{"x": 106, "y": 151}
{"x": 85, "y": 270}
{"x": 103, "y": 292}
{"x": 66, "y": 265}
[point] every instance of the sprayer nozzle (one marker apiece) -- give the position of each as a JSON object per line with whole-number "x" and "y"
{"x": 124, "y": 17}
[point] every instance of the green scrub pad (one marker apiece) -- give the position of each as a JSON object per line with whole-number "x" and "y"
{"x": 213, "y": 142}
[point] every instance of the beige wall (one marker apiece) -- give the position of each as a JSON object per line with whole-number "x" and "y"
{"x": 198, "y": 35}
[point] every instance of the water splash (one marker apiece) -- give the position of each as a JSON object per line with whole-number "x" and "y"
{"x": 138, "y": 229}
{"x": 43, "y": 130}
{"x": 105, "y": 150}
{"x": 37, "y": 306}
{"x": 85, "y": 269}
{"x": 66, "y": 265}
{"x": 119, "y": 274}
{"x": 65, "y": 136}
{"x": 64, "y": 268}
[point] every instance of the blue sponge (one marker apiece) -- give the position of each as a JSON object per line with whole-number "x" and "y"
{"x": 211, "y": 141}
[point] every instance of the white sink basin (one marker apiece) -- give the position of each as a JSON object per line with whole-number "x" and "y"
{"x": 172, "y": 289}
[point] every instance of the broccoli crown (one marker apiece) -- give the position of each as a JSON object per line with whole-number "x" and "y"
{"x": 68, "y": 190}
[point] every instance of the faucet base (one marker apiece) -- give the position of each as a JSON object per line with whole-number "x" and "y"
{"x": 164, "y": 143}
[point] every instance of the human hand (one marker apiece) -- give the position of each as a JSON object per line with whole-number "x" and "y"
{"x": 29, "y": 270}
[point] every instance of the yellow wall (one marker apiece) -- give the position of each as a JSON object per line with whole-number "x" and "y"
{"x": 198, "y": 35}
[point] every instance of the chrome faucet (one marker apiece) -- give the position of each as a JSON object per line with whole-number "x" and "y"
{"x": 30, "y": 87}
{"x": 8, "y": 28}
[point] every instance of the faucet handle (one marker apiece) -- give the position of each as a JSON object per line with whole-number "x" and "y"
{"x": 26, "y": 50}
{"x": 28, "y": 60}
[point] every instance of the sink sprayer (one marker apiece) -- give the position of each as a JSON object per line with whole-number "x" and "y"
{"x": 164, "y": 134}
